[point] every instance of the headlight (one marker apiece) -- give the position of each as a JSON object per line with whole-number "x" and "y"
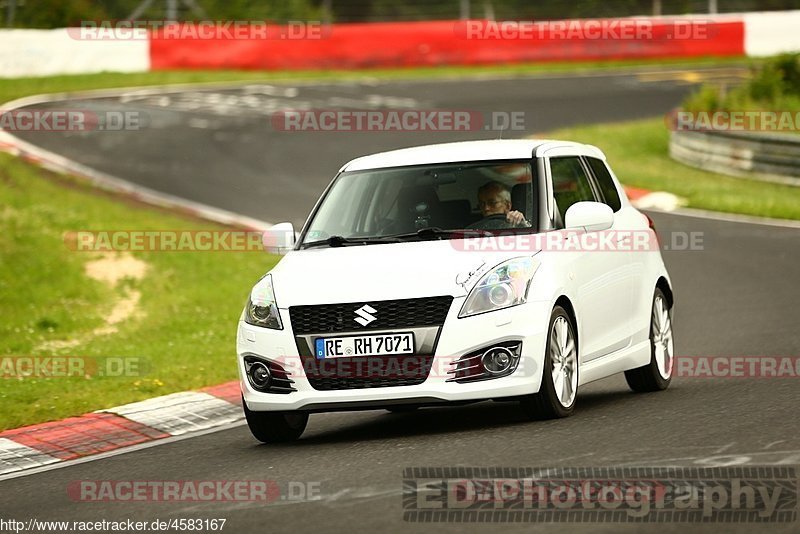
{"x": 504, "y": 286}
{"x": 262, "y": 310}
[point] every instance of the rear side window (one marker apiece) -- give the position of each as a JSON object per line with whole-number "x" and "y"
{"x": 606, "y": 183}
{"x": 570, "y": 183}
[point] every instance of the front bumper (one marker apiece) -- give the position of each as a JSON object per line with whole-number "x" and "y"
{"x": 526, "y": 323}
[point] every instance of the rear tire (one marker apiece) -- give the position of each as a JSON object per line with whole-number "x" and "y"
{"x": 275, "y": 427}
{"x": 559, "y": 388}
{"x": 656, "y": 375}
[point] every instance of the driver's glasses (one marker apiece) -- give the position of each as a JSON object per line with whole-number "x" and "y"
{"x": 489, "y": 203}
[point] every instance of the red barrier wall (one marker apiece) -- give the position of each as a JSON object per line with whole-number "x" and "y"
{"x": 401, "y": 44}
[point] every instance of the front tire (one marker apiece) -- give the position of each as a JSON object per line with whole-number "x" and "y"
{"x": 656, "y": 375}
{"x": 275, "y": 427}
{"x": 558, "y": 391}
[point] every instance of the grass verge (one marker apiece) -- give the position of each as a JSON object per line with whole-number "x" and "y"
{"x": 180, "y": 334}
{"x": 639, "y": 154}
{"x": 11, "y": 89}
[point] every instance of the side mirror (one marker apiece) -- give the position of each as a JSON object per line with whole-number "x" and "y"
{"x": 591, "y": 216}
{"x": 279, "y": 238}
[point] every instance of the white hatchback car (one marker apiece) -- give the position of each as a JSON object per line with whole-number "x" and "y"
{"x": 452, "y": 273}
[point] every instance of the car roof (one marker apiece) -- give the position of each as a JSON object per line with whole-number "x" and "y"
{"x": 490, "y": 150}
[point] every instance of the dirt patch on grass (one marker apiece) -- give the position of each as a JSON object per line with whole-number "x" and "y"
{"x": 110, "y": 269}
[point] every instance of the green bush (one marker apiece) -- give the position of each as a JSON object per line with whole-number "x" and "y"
{"x": 774, "y": 86}
{"x": 706, "y": 98}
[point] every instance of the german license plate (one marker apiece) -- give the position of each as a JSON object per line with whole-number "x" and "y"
{"x": 374, "y": 345}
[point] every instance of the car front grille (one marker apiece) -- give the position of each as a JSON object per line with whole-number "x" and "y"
{"x": 389, "y": 314}
{"x": 367, "y": 372}
{"x": 420, "y": 314}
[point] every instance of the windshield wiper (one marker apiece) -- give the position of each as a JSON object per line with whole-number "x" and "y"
{"x": 340, "y": 241}
{"x": 422, "y": 234}
{"x": 434, "y": 232}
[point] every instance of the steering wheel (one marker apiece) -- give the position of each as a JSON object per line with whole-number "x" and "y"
{"x": 498, "y": 221}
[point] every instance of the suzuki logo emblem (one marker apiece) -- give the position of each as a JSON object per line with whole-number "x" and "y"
{"x": 364, "y": 315}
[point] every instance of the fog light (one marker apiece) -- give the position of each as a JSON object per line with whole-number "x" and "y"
{"x": 259, "y": 376}
{"x": 497, "y": 360}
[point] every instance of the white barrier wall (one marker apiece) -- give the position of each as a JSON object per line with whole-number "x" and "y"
{"x": 49, "y": 52}
{"x": 767, "y": 34}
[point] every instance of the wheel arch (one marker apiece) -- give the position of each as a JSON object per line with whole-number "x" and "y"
{"x": 665, "y": 288}
{"x": 565, "y": 303}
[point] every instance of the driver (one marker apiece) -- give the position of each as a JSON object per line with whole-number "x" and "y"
{"x": 494, "y": 199}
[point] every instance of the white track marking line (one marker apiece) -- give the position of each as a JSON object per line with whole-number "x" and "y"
{"x": 101, "y": 180}
{"x": 658, "y": 200}
{"x": 180, "y": 413}
{"x": 730, "y": 217}
{"x": 118, "y": 452}
{"x": 17, "y": 457}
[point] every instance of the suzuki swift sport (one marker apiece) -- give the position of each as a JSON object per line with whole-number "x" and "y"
{"x": 510, "y": 270}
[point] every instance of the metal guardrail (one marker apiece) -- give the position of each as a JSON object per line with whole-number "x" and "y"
{"x": 759, "y": 156}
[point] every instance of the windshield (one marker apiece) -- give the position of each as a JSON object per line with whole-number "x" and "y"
{"x": 412, "y": 202}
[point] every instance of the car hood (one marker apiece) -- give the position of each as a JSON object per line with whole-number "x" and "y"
{"x": 366, "y": 273}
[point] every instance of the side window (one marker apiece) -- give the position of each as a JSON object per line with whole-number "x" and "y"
{"x": 570, "y": 183}
{"x": 606, "y": 183}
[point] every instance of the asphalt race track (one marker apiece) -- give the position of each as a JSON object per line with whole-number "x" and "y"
{"x": 220, "y": 147}
{"x": 736, "y": 297}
